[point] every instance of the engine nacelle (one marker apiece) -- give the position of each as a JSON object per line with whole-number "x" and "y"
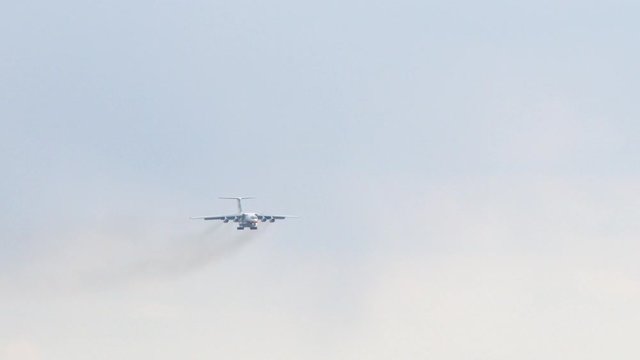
{"x": 226, "y": 221}
{"x": 272, "y": 220}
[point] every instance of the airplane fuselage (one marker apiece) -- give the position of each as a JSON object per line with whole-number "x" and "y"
{"x": 249, "y": 220}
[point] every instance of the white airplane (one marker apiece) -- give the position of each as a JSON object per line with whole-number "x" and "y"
{"x": 244, "y": 219}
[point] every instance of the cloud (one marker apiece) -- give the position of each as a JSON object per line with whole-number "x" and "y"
{"x": 500, "y": 267}
{"x": 498, "y": 307}
{"x": 21, "y": 350}
{"x": 495, "y": 268}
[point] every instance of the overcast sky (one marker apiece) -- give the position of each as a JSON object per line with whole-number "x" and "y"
{"x": 466, "y": 174}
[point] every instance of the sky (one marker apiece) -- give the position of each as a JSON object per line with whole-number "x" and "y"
{"x": 465, "y": 174}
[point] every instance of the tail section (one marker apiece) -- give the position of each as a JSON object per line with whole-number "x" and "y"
{"x": 239, "y": 200}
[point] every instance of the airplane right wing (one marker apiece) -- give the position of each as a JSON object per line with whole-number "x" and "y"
{"x": 222, "y": 217}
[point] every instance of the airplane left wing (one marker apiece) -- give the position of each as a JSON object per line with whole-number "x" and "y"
{"x": 273, "y": 218}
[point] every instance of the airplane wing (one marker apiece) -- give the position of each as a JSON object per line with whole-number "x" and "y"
{"x": 222, "y": 217}
{"x": 273, "y": 218}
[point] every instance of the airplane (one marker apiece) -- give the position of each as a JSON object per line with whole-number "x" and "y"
{"x": 244, "y": 219}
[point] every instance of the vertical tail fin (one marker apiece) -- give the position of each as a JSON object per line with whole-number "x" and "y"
{"x": 239, "y": 200}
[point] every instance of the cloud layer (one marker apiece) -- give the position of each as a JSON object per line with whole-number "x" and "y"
{"x": 492, "y": 268}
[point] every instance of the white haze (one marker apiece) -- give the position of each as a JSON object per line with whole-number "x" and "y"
{"x": 465, "y": 174}
{"x": 489, "y": 267}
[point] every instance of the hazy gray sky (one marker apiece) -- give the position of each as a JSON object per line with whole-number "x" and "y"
{"x": 466, "y": 174}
